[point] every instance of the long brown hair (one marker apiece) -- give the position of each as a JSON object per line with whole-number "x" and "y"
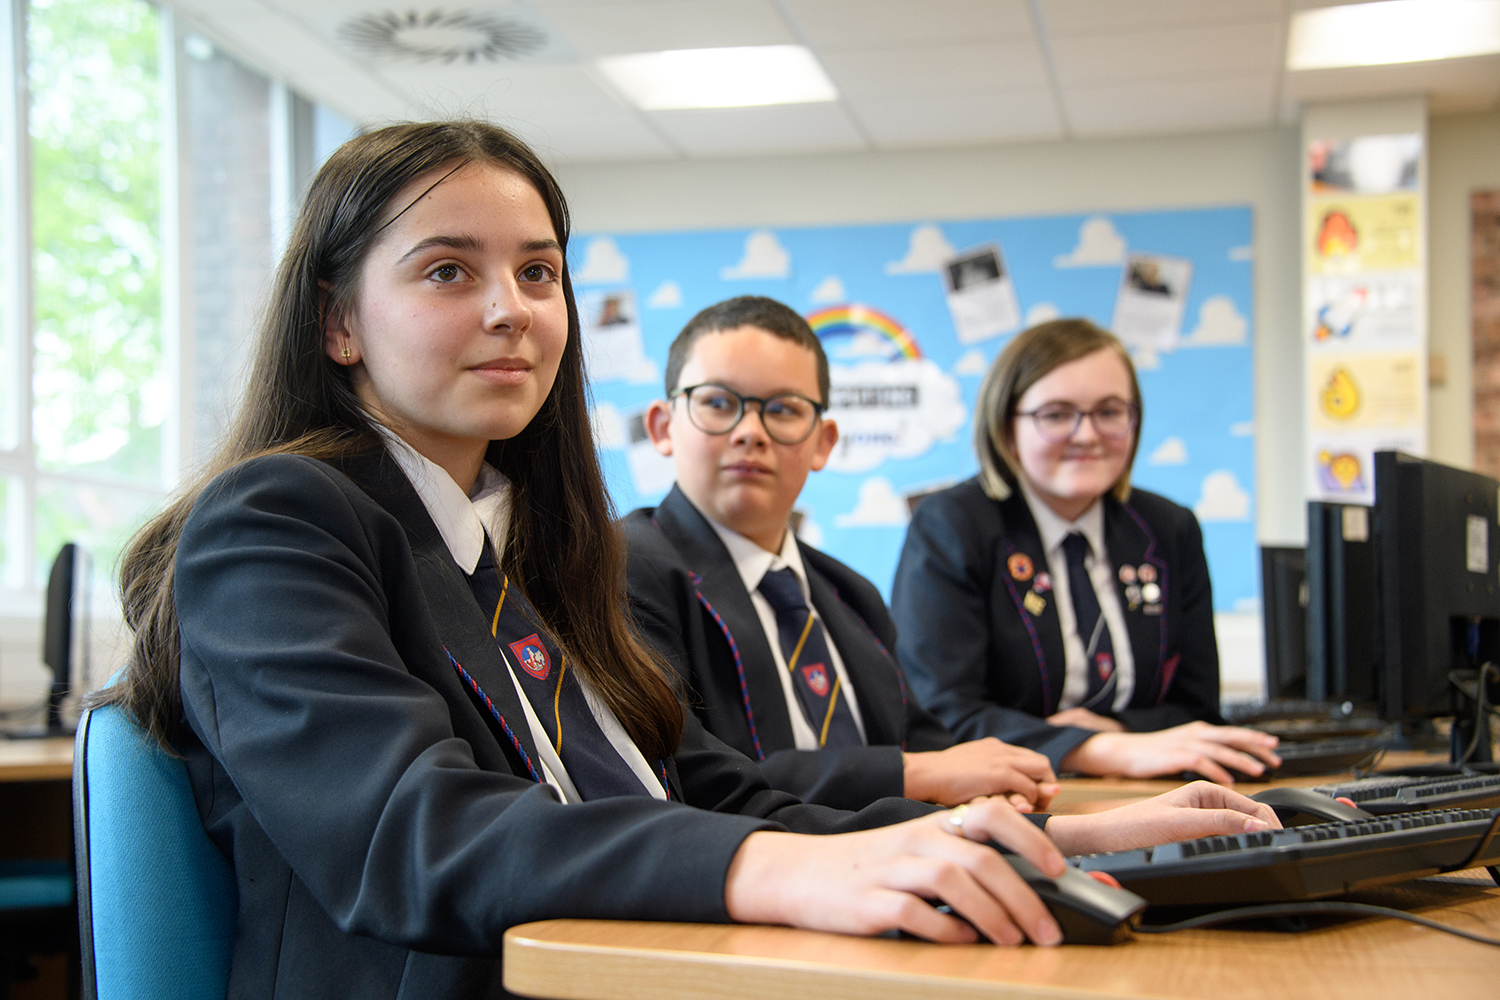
{"x": 1026, "y": 360}
{"x": 563, "y": 545}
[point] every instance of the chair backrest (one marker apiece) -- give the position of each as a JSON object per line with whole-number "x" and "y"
{"x": 156, "y": 898}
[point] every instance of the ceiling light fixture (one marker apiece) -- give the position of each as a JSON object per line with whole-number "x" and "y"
{"x": 1392, "y": 31}
{"x": 744, "y": 76}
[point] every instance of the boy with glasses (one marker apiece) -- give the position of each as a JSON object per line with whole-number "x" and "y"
{"x": 785, "y": 652}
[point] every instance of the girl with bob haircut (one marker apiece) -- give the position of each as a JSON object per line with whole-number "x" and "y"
{"x": 1047, "y": 603}
{"x": 386, "y": 630}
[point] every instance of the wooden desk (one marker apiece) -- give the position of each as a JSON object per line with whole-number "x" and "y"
{"x": 1342, "y": 959}
{"x": 46, "y": 759}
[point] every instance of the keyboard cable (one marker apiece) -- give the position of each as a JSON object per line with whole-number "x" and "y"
{"x": 1309, "y": 909}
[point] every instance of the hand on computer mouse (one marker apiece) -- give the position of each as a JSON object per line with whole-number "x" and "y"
{"x": 1199, "y": 809}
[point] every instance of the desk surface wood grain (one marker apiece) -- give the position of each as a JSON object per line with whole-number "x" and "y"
{"x": 1341, "y": 959}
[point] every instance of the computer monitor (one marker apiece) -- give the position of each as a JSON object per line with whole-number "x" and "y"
{"x": 1437, "y": 551}
{"x": 1284, "y": 605}
{"x": 65, "y": 629}
{"x": 1341, "y": 603}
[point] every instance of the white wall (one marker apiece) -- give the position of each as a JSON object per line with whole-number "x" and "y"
{"x": 1258, "y": 168}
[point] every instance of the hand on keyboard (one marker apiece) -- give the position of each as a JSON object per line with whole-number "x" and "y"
{"x": 1196, "y": 746}
{"x": 1199, "y": 809}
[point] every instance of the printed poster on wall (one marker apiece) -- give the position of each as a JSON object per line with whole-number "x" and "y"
{"x": 911, "y": 315}
{"x": 1364, "y": 304}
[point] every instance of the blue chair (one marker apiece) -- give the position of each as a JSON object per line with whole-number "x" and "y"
{"x": 156, "y": 899}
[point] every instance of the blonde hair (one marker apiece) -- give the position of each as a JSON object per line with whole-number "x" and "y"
{"x": 1027, "y": 359}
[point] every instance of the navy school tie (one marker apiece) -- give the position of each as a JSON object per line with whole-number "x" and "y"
{"x": 805, "y": 648}
{"x": 592, "y": 762}
{"x": 1098, "y": 651}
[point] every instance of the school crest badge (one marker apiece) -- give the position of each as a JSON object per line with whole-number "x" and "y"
{"x": 816, "y": 676}
{"x": 1105, "y": 664}
{"x": 533, "y": 656}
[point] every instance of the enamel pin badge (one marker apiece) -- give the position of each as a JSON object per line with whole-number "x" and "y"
{"x": 1020, "y": 567}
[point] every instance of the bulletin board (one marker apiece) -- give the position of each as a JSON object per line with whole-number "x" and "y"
{"x": 911, "y": 315}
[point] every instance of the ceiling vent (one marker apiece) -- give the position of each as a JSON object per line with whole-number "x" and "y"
{"x": 438, "y": 36}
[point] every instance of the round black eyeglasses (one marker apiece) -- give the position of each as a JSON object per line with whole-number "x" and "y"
{"x": 788, "y": 417}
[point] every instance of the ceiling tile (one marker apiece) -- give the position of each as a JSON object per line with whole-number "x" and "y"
{"x": 506, "y": 88}
{"x": 866, "y": 24}
{"x": 1174, "y": 53}
{"x": 1126, "y": 109}
{"x": 602, "y": 29}
{"x": 964, "y": 120}
{"x": 936, "y": 70}
{"x": 591, "y": 139}
{"x": 789, "y": 128}
{"x": 1083, "y": 17}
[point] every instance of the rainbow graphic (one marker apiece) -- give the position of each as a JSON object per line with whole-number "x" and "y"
{"x": 863, "y": 322}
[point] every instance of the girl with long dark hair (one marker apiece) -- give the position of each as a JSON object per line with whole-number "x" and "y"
{"x": 386, "y": 630}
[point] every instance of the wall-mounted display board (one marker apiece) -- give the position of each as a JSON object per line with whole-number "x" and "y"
{"x": 911, "y": 315}
{"x": 1364, "y": 300}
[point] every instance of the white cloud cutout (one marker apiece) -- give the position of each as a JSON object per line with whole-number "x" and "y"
{"x": 810, "y": 531}
{"x": 1041, "y": 313}
{"x": 972, "y": 363}
{"x": 917, "y": 404}
{"x": 926, "y": 250}
{"x": 1219, "y": 325}
{"x": 764, "y": 257}
{"x": 1246, "y": 252}
{"x": 603, "y": 264}
{"x": 830, "y": 289}
{"x": 879, "y": 506}
{"x": 1242, "y": 429}
{"x": 668, "y": 295}
{"x": 1247, "y": 606}
{"x": 1172, "y": 451}
{"x": 1145, "y": 359}
{"x": 861, "y": 345}
{"x": 1222, "y": 499}
{"x": 1099, "y": 245}
{"x": 609, "y": 426}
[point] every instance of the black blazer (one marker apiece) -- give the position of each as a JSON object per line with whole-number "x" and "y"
{"x": 377, "y": 803}
{"x": 690, "y": 602}
{"x": 987, "y": 666}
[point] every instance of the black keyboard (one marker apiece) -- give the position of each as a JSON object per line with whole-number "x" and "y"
{"x": 1305, "y": 862}
{"x": 1383, "y": 794}
{"x": 1330, "y": 756}
{"x": 1250, "y": 713}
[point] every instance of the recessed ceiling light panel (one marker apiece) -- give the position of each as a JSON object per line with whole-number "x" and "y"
{"x": 441, "y": 36}
{"x": 1392, "y": 31}
{"x": 744, "y": 76}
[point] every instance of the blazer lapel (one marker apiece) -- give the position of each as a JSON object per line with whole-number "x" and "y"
{"x": 720, "y": 585}
{"x": 455, "y": 613}
{"x": 1021, "y": 559}
{"x": 1131, "y": 543}
{"x": 871, "y": 671}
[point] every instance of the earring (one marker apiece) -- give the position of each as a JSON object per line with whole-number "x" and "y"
{"x": 346, "y": 352}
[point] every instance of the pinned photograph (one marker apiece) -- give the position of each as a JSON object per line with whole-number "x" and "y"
{"x": 1151, "y": 300}
{"x": 652, "y": 472}
{"x": 612, "y": 345}
{"x": 1367, "y": 164}
{"x": 981, "y": 298}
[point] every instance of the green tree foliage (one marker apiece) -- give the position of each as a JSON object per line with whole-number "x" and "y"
{"x": 99, "y": 392}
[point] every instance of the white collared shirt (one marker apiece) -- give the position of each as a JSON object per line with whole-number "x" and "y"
{"x": 753, "y": 563}
{"x": 1053, "y": 529}
{"x": 462, "y": 520}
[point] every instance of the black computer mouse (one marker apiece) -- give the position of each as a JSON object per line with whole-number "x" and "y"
{"x": 1087, "y": 910}
{"x": 1304, "y": 807}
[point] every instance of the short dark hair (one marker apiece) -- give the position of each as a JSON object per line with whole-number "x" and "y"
{"x": 1033, "y": 354}
{"x": 774, "y": 317}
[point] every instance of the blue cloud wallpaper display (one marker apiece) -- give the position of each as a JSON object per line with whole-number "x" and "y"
{"x": 911, "y": 314}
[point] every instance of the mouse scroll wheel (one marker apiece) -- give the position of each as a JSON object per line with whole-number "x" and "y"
{"x": 1104, "y": 877}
